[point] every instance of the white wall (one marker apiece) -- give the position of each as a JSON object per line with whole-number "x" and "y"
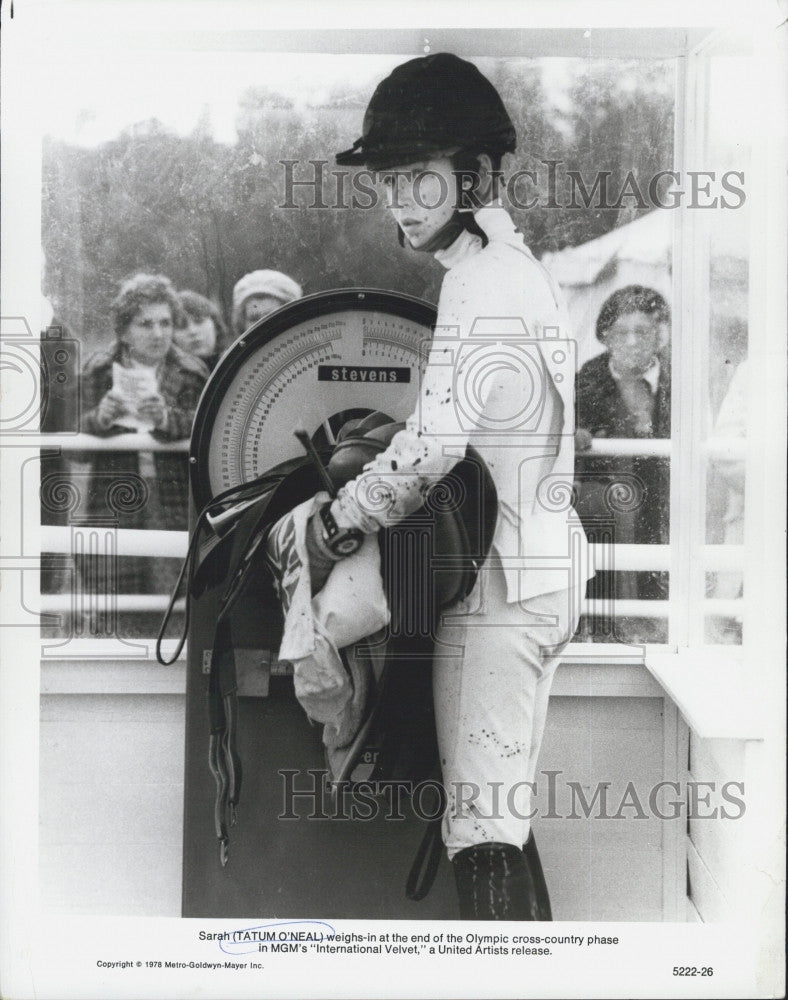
{"x": 111, "y": 803}
{"x": 111, "y": 792}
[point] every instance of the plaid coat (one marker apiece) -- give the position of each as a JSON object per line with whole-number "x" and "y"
{"x": 142, "y": 489}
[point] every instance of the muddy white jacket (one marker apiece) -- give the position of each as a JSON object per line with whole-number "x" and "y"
{"x": 499, "y": 376}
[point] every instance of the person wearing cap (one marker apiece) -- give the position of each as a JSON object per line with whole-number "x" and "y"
{"x": 259, "y": 293}
{"x": 625, "y": 393}
{"x": 435, "y": 131}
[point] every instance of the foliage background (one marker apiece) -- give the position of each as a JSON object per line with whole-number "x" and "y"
{"x": 206, "y": 212}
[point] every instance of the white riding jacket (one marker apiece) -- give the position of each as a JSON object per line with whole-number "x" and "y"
{"x": 500, "y": 377}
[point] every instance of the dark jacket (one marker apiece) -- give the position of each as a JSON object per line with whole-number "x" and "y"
{"x": 601, "y": 411}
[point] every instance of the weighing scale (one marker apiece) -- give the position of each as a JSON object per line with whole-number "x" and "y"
{"x": 315, "y": 363}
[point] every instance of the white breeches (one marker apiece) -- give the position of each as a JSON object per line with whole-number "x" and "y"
{"x": 493, "y": 669}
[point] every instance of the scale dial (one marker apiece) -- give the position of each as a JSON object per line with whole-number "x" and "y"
{"x": 315, "y": 363}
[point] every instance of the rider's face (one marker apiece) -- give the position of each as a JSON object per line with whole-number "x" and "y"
{"x": 421, "y": 197}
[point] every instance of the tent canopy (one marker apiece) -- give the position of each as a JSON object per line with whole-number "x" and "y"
{"x": 640, "y": 252}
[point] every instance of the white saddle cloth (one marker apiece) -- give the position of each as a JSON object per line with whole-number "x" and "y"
{"x": 331, "y": 686}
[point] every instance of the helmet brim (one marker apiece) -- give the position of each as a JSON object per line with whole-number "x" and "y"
{"x": 387, "y": 157}
{"x": 353, "y": 157}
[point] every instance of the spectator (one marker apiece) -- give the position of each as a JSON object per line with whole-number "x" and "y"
{"x": 625, "y": 393}
{"x": 259, "y": 293}
{"x": 168, "y": 386}
{"x": 203, "y": 332}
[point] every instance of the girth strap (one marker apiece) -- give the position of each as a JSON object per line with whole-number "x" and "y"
{"x": 223, "y": 757}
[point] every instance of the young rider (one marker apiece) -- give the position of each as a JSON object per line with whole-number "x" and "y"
{"x": 496, "y": 377}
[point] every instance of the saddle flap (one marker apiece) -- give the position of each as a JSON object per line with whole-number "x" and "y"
{"x": 225, "y": 553}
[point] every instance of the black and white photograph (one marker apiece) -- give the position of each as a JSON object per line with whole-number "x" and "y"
{"x": 393, "y": 453}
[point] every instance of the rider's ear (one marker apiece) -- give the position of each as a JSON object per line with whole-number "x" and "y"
{"x": 491, "y": 172}
{"x": 486, "y": 185}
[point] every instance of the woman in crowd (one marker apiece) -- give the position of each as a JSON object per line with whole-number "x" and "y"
{"x": 203, "y": 332}
{"x": 624, "y": 392}
{"x": 143, "y": 382}
{"x": 259, "y": 293}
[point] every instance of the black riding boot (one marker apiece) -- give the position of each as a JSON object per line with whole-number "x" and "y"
{"x": 537, "y": 875}
{"x": 494, "y": 883}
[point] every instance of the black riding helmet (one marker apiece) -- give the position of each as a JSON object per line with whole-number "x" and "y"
{"x": 429, "y": 105}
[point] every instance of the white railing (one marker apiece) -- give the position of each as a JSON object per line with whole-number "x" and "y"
{"x": 63, "y": 604}
{"x": 173, "y": 544}
{"x": 134, "y": 441}
{"x": 625, "y": 608}
{"x": 715, "y": 447}
{"x": 127, "y": 541}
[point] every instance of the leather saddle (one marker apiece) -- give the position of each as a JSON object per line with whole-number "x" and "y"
{"x": 431, "y": 558}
